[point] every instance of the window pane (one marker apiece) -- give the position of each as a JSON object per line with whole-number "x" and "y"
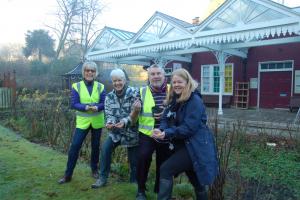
{"x": 216, "y": 84}
{"x": 228, "y": 79}
{"x": 205, "y": 86}
{"x": 228, "y": 84}
{"x": 216, "y": 71}
{"x": 205, "y": 71}
{"x": 279, "y": 65}
{"x": 264, "y": 66}
{"x": 288, "y": 65}
{"x": 272, "y": 66}
{"x": 216, "y": 79}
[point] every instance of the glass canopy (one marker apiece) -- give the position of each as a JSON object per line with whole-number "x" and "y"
{"x": 112, "y": 38}
{"x": 243, "y": 12}
{"x": 160, "y": 29}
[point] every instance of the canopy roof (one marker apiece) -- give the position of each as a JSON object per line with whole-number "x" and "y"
{"x": 76, "y": 71}
{"x": 234, "y": 27}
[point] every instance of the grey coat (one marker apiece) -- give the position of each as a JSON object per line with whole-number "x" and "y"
{"x": 118, "y": 109}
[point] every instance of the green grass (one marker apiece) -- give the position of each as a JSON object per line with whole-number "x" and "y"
{"x": 31, "y": 171}
{"x": 272, "y": 167}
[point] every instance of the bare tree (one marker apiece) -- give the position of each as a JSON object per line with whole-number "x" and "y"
{"x": 67, "y": 10}
{"x": 91, "y": 9}
{"x": 76, "y": 23}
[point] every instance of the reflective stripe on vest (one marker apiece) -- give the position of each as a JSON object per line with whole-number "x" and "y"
{"x": 85, "y": 119}
{"x": 146, "y": 120}
{"x": 86, "y": 114}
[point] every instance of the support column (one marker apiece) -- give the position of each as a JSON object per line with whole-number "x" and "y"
{"x": 221, "y": 57}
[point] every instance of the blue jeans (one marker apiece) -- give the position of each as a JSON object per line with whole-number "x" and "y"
{"x": 78, "y": 138}
{"x": 105, "y": 160}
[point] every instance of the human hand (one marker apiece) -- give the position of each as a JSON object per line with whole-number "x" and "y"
{"x": 120, "y": 124}
{"x": 93, "y": 108}
{"x": 136, "y": 106}
{"x": 158, "y": 134}
{"x": 155, "y": 132}
{"x": 109, "y": 125}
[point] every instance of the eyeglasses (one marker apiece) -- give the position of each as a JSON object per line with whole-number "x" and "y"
{"x": 90, "y": 70}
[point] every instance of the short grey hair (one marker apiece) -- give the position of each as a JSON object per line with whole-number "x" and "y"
{"x": 89, "y": 65}
{"x": 156, "y": 66}
{"x": 118, "y": 73}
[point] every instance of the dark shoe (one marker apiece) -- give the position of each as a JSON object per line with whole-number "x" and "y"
{"x": 95, "y": 174}
{"x": 140, "y": 196}
{"x": 64, "y": 179}
{"x": 99, "y": 183}
{"x": 165, "y": 189}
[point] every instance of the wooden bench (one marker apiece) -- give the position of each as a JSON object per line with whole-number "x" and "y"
{"x": 213, "y": 100}
{"x": 294, "y": 103}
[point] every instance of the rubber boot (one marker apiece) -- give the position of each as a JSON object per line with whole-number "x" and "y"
{"x": 165, "y": 189}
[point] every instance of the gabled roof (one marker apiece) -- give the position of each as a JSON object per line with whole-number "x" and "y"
{"x": 242, "y": 12}
{"x": 111, "y": 38}
{"x": 76, "y": 71}
{"x": 237, "y": 20}
{"x": 122, "y": 34}
{"x": 235, "y": 26}
{"x": 161, "y": 27}
{"x": 177, "y": 21}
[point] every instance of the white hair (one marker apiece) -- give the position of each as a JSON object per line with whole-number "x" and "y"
{"x": 118, "y": 73}
{"x": 89, "y": 65}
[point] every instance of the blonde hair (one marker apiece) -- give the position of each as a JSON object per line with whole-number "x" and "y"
{"x": 191, "y": 85}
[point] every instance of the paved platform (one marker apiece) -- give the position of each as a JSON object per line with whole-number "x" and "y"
{"x": 260, "y": 115}
{"x": 277, "y": 121}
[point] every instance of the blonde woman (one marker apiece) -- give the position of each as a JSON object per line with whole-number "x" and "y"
{"x": 184, "y": 124}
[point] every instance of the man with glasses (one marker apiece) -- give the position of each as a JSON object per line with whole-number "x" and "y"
{"x": 87, "y": 98}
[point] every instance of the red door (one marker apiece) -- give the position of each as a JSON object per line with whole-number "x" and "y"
{"x": 275, "y": 89}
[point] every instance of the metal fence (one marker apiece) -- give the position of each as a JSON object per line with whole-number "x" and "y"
{"x": 6, "y": 97}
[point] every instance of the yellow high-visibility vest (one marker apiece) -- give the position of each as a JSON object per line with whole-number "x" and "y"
{"x": 85, "y": 119}
{"x": 146, "y": 119}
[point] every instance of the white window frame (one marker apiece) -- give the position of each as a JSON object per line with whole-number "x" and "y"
{"x": 273, "y": 70}
{"x": 211, "y": 80}
{"x": 276, "y": 70}
{"x": 168, "y": 71}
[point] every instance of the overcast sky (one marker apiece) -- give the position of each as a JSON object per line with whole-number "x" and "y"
{"x": 18, "y": 16}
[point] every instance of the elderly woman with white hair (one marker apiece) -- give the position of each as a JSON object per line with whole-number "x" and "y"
{"x": 87, "y": 98}
{"x": 122, "y": 108}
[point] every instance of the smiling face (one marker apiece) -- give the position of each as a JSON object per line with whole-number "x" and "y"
{"x": 89, "y": 74}
{"x": 118, "y": 83}
{"x": 178, "y": 84}
{"x": 156, "y": 77}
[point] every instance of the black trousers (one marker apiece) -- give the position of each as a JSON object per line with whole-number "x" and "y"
{"x": 177, "y": 163}
{"x": 147, "y": 146}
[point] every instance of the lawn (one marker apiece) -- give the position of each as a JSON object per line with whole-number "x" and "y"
{"x": 255, "y": 171}
{"x": 31, "y": 171}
